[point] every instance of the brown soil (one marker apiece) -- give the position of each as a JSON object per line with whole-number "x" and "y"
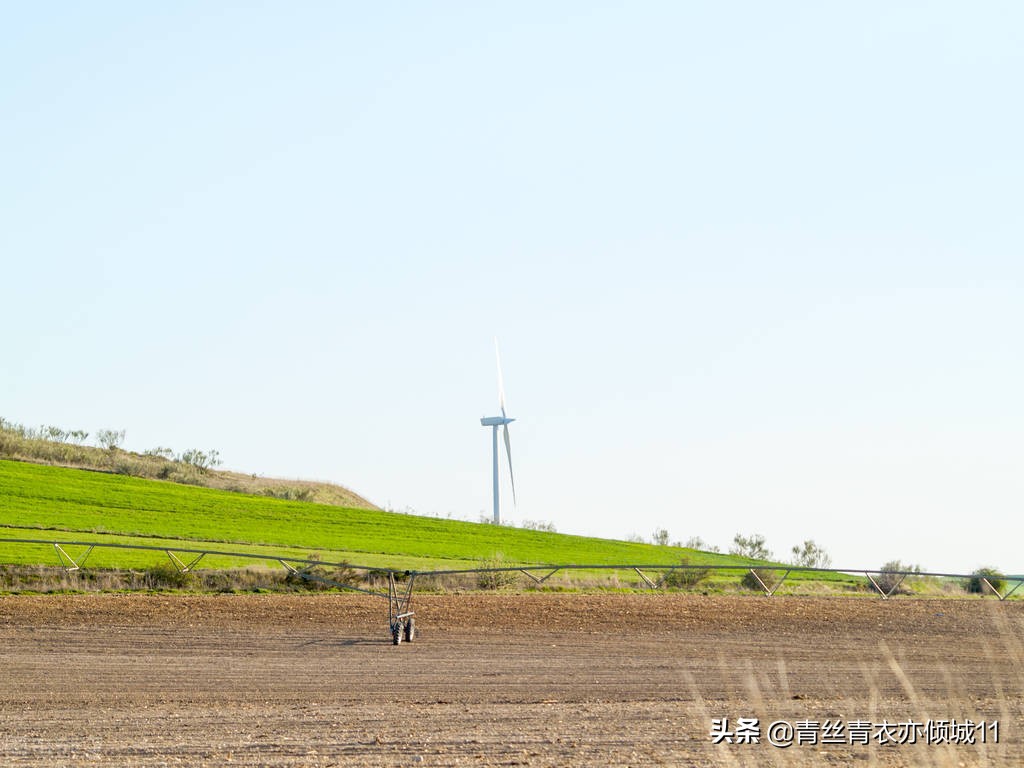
{"x": 537, "y": 680}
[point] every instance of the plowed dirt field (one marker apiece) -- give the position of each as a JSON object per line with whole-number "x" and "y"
{"x": 534, "y": 680}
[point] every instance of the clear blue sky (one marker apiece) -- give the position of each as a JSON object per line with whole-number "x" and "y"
{"x": 754, "y": 267}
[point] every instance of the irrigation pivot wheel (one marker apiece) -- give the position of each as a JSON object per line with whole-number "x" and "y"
{"x": 410, "y": 629}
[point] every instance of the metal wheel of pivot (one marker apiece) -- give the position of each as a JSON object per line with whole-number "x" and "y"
{"x": 399, "y": 614}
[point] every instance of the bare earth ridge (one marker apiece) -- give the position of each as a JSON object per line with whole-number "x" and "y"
{"x": 535, "y": 679}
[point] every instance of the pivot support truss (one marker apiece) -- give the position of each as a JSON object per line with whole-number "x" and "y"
{"x": 73, "y": 555}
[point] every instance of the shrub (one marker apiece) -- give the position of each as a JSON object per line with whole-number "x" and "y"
{"x": 78, "y": 436}
{"x": 810, "y": 555}
{"x": 538, "y": 525}
{"x": 166, "y": 576}
{"x": 976, "y": 584}
{"x": 200, "y": 459}
{"x": 288, "y": 493}
{"x": 320, "y": 578}
{"x": 892, "y": 577}
{"x": 491, "y": 580}
{"x": 485, "y": 519}
{"x": 110, "y": 439}
{"x": 750, "y": 581}
{"x": 128, "y": 466}
{"x": 750, "y": 546}
{"x": 696, "y": 542}
{"x": 685, "y": 578}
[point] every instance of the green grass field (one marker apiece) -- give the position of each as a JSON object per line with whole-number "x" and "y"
{"x": 60, "y": 504}
{"x": 38, "y": 501}
{"x": 50, "y": 503}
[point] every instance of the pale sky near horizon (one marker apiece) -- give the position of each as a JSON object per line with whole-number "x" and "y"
{"x": 754, "y": 268}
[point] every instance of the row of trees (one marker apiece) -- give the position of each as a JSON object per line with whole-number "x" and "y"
{"x": 193, "y": 457}
{"x": 46, "y": 432}
{"x": 110, "y": 440}
{"x": 889, "y": 578}
{"x": 808, "y": 554}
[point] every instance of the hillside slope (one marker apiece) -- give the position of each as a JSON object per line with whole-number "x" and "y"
{"x": 20, "y": 443}
{"x": 39, "y": 501}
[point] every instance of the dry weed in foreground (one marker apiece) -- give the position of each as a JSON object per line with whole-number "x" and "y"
{"x": 885, "y": 692}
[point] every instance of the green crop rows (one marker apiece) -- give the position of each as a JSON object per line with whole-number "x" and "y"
{"x": 37, "y": 498}
{"x": 53, "y": 503}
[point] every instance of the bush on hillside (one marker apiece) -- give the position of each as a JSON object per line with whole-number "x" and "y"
{"x": 201, "y": 460}
{"x": 892, "y": 577}
{"x": 696, "y": 542}
{"x": 110, "y": 439}
{"x": 811, "y": 555}
{"x": 686, "y": 577}
{"x": 750, "y": 580}
{"x": 492, "y": 580}
{"x": 166, "y": 576}
{"x": 976, "y": 584}
{"x": 752, "y": 546}
{"x": 321, "y": 578}
{"x": 538, "y": 525}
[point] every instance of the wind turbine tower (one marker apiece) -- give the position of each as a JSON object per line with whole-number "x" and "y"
{"x": 494, "y": 422}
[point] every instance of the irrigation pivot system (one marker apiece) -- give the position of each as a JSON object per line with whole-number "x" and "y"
{"x": 401, "y": 623}
{"x": 401, "y": 618}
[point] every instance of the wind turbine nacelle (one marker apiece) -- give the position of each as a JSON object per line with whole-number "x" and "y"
{"x": 495, "y": 421}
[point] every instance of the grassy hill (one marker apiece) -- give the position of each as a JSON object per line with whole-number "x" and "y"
{"x": 39, "y": 501}
{"x": 54, "y": 488}
{"x": 44, "y": 502}
{"x": 59, "y": 447}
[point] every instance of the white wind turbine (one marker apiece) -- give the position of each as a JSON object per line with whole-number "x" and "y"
{"x": 494, "y": 422}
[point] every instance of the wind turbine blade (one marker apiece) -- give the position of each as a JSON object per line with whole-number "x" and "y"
{"x": 501, "y": 383}
{"x": 508, "y": 452}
